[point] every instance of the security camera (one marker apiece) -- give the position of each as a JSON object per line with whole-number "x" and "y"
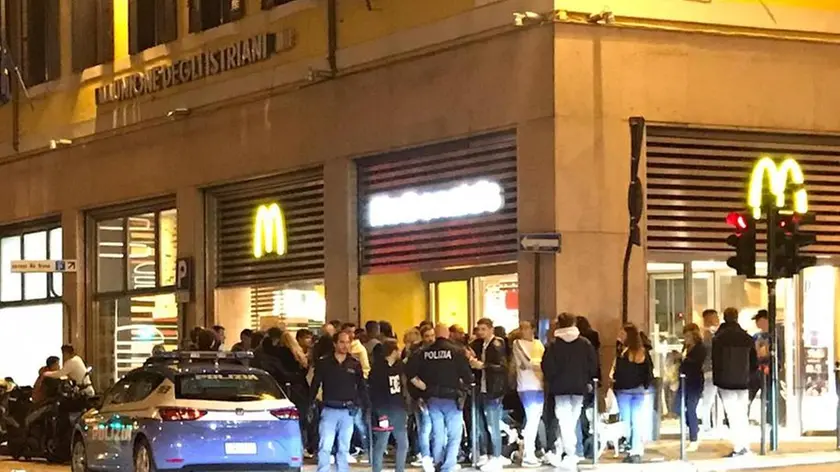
{"x": 604, "y": 17}
{"x": 522, "y": 18}
{"x": 178, "y": 112}
{"x": 55, "y": 143}
{"x": 313, "y": 75}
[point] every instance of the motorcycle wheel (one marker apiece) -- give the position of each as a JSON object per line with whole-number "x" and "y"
{"x": 143, "y": 461}
{"x": 55, "y": 452}
{"x": 78, "y": 456}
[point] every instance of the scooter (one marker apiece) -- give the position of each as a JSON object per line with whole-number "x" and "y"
{"x": 45, "y": 429}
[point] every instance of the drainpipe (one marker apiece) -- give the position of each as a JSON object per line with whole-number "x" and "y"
{"x": 14, "y": 44}
{"x": 332, "y": 36}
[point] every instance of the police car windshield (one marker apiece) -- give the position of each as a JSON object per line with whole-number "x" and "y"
{"x": 227, "y": 387}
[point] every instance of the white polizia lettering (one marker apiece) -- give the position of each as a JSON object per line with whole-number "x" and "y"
{"x": 411, "y": 207}
{"x": 435, "y": 355}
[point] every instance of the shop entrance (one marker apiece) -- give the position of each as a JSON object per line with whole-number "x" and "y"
{"x": 464, "y": 301}
{"x": 679, "y": 292}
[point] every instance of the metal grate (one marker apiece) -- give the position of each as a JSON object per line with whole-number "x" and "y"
{"x": 479, "y": 239}
{"x": 301, "y": 197}
{"x": 696, "y": 176}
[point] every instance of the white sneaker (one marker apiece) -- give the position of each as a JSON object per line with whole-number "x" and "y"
{"x": 531, "y": 462}
{"x": 428, "y": 464}
{"x": 351, "y": 459}
{"x": 551, "y": 459}
{"x": 505, "y": 461}
{"x": 418, "y": 461}
{"x": 692, "y": 446}
{"x": 492, "y": 465}
{"x": 482, "y": 460}
{"x": 570, "y": 461}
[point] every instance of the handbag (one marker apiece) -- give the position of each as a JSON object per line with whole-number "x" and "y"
{"x": 610, "y": 403}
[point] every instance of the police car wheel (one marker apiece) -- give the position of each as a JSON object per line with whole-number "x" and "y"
{"x": 78, "y": 460}
{"x": 143, "y": 461}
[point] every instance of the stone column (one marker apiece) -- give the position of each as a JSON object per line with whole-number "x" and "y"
{"x": 191, "y": 238}
{"x": 341, "y": 253}
{"x": 536, "y": 213}
{"x": 75, "y": 293}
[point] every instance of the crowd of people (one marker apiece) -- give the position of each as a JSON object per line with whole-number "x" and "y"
{"x": 358, "y": 391}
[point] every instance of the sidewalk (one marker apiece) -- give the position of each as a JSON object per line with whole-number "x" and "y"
{"x": 663, "y": 456}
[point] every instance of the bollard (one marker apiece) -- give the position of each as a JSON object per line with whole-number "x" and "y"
{"x": 682, "y": 417}
{"x": 473, "y": 428}
{"x": 763, "y": 412}
{"x": 595, "y": 415}
{"x": 837, "y": 391}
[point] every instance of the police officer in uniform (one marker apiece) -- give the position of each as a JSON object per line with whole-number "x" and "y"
{"x": 344, "y": 393}
{"x": 443, "y": 372}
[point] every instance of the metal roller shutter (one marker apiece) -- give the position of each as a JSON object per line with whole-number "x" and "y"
{"x": 696, "y": 176}
{"x": 301, "y": 197}
{"x": 447, "y": 242}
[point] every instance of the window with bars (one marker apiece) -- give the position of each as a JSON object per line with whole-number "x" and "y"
{"x": 207, "y": 14}
{"x": 40, "y": 41}
{"x": 151, "y": 23}
{"x": 36, "y": 245}
{"x": 92, "y": 33}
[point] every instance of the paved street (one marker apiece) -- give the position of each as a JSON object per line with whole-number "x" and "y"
{"x": 10, "y": 466}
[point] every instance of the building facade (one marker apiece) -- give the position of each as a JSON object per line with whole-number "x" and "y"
{"x": 322, "y": 160}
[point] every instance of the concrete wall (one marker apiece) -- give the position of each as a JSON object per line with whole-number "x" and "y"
{"x": 603, "y": 76}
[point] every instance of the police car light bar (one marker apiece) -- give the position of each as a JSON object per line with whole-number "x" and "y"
{"x": 210, "y": 355}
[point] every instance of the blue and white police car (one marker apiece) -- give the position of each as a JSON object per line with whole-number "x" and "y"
{"x": 190, "y": 411}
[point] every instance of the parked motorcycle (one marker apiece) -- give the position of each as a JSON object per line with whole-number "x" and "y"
{"x": 44, "y": 429}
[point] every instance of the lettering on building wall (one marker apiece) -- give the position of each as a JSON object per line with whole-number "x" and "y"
{"x": 204, "y": 64}
{"x": 269, "y": 231}
{"x": 413, "y": 207}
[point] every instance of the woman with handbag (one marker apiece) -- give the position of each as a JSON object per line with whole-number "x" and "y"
{"x": 527, "y": 356}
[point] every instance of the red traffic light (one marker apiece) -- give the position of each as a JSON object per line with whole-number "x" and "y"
{"x": 737, "y": 220}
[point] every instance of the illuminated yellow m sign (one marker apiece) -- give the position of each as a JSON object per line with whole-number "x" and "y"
{"x": 269, "y": 231}
{"x": 778, "y": 178}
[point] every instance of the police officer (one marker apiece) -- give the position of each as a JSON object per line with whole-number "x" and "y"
{"x": 443, "y": 372}
{"x": 344, "y": 393}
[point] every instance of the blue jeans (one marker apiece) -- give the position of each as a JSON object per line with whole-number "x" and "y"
{"x": 424, "y": 430}
{"x": 335, "y": 423}
{"x": 634, "y": 408}
{"x": 397, "y": 419}
{"x": 532, "y": 403}
{"x": 361, "y": 426}
{"x": 490, "y": 421}
{"x": 447, "y": 430}
{"x": 692, "y": 399}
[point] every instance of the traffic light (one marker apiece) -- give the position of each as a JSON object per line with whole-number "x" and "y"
{"x": 790, "y": 240}
{"x": 743, "y": 241}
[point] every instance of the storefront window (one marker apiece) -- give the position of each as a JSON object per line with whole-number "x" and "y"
{"x": 127, "y": 330}
{"x": 12, "y": 287}
{"x": 31, "y": 320}
{"x": 28, "y": 335}
{"x": 135, "y": 268}
{"x": 497, "y": 298}
{"x": 294, "y": 305}
{"x": 34, "y": 245}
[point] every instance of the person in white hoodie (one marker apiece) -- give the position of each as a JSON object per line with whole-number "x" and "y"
{"x": 527, "y": 355}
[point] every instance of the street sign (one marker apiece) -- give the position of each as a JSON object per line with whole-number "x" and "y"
{"x": 60, "y": 265}
{"x": 541, "y": 242}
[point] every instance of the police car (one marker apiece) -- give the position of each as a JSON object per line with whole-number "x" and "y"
{"x": 190, "y": 411}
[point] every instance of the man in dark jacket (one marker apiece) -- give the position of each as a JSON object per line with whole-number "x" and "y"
{"x": 569, "y": 365}
{"x": 490, "y": 368}
{"x": 733, "y": 362}
{"x": 443, "y": 373}
{"x": 344, "y": 392}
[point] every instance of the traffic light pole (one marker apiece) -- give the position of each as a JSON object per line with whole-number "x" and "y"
{"x": 773, "y": 394}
